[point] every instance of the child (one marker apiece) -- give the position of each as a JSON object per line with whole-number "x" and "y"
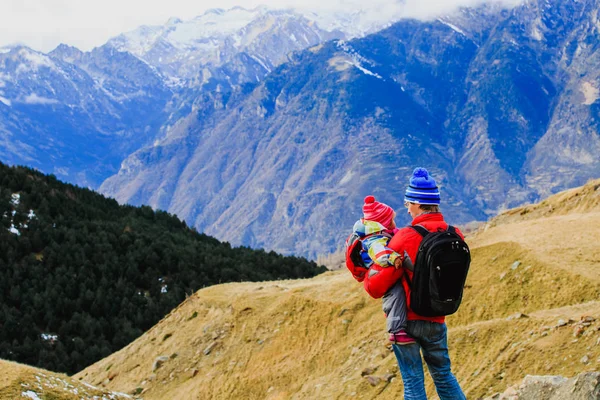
{"x": 375, "y": 231}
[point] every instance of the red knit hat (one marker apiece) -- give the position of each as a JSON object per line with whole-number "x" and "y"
{"x": 378, "y": 212}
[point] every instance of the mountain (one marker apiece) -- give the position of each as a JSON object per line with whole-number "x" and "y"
{"x": 76, "y": 114}
{"x": 500, "y": 105}
{"x": 82, "y": 276}
{"x": 323, "y": 338}
{"x": 79, "y": 114}
{"x": 296, "y": 152}
{"x": 223, "y": 47}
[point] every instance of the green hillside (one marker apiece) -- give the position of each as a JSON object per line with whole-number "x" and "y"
{"x": 82, "y": 276}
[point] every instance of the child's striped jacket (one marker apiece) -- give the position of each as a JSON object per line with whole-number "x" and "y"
{"x": 374, "y": 238}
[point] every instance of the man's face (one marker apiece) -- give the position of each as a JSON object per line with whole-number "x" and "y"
{"x": 412, "y": 208}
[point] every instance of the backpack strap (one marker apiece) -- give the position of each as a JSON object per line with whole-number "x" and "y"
{"x": 421, "y": 230}
{"x": 424, "y": 232}
{"x": 408, "y": 280}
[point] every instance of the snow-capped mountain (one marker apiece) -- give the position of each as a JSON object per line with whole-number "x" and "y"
{"x": 223, "y": 46}
{"x": 79, "y": 114}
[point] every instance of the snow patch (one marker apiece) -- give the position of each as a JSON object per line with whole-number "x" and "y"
{"x": 5, "y": 101}
{"x": 14, "y": 230}
{"x": 355, "y": 60}
{"x": 15, "y": 199}
{"x": 347, "y": 177}
{"x": 536, "y": 34}
{"x": 365, "y": 71}
{"x": 49, "y": 337}
{"x": 35, "y": 99}
{"x": 30, "y": 394}
{"x": 454, "y": 27}
{"x": 590, "y": 92}
{"x": 35, "y": 61}
{"x": 258, "y": 60}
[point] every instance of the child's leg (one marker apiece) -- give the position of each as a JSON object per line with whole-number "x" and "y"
{"x": 394, "y": 306}
{"x": 394, "y": 303}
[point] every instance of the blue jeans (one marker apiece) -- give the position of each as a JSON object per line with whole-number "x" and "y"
{"x": 431, "y": 338}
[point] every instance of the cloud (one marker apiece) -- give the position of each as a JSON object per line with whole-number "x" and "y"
{"x": 43, "y": 24}
{"x": 424, "y": 9}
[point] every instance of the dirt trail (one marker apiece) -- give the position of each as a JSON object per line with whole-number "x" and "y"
{"x": 568, "y": 242}
{"x": 574, "y": 312}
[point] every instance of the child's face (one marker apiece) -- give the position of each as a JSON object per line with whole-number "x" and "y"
{"x": 393, "y": 223}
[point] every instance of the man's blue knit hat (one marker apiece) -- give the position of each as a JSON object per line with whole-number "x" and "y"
{"x": 422, "y": 189}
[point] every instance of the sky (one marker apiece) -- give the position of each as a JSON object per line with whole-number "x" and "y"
{"x": 44, "y": 24}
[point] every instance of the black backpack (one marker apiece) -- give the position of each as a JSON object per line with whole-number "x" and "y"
{"x": 440, "y": 272}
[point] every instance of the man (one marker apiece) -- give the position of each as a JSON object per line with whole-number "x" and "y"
{"x": 422, "y": 199}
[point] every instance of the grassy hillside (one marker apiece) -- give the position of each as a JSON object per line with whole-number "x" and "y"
{"x": 19, "y": 381}
{"x": 298, "y": 340}
{"x": 82, "y": 276}
{"x": 523, "y": 313}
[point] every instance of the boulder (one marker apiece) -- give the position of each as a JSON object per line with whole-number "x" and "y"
{"x": 585, "y": 386}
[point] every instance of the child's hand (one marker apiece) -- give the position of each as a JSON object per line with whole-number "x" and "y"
{"x": 398, "y": 262}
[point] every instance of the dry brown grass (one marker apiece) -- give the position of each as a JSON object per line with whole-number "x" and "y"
{"x": 19, "y": 381}
{"x": 311, "y": 339}
{"x": 495, "y": 290}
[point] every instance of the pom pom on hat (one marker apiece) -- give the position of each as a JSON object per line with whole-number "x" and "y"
{"x": 422, "y": 189}
{"x": 378, "y": 212}
{"x": 421, "y": 173}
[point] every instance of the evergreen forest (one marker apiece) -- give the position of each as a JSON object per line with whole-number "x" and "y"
{"x": 82, "y": 276}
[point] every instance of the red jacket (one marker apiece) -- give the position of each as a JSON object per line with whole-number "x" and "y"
{"x": 405, "y": 242}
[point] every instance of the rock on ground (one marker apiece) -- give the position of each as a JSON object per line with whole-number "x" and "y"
{"x": 585, "y": 386}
